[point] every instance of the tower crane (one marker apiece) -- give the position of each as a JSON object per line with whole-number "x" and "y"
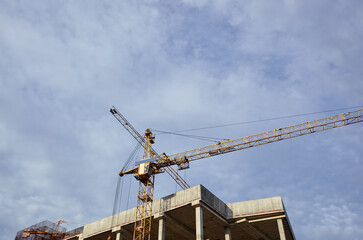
{"x": 153, "y": 163}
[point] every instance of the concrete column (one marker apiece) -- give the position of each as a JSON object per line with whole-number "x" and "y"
{"x": 80, "y": 236}
{"x": 161, "y": 233}
{"x": 199, "y": 222}
{"x": 227, "y": 233}
{"x": 118, "y": 236}
{"x": 117, "y": 230}
{"x": 280, "y": 225}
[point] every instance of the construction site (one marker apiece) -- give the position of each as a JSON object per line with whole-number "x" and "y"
{"x": 194, "y": 212}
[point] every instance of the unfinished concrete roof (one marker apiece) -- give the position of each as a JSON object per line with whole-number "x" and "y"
{"x": 254, "y": 219}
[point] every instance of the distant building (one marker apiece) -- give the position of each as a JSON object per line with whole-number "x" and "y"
{"x": 46, "y": 230}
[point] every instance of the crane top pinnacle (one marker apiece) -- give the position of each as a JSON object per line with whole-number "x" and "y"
{"x": 149, "y": 135}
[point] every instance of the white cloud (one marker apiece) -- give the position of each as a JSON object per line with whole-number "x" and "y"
{"x": 334, "y": 222}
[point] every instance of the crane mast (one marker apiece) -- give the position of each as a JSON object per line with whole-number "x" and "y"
{"x": 153, "y": 163}
{"x": 146, "y": 192}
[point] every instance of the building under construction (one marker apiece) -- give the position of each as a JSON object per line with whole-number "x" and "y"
{"x": 196, "y": 213}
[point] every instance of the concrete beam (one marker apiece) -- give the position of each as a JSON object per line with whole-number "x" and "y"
{"x": 266, "y": 219}
{"x": 195, "y": 203}
{"x": 251, "y": 230}
{"x": 159, "y": 215}
{"x": 240, "y": 221}
{"x": 116, "y": 229}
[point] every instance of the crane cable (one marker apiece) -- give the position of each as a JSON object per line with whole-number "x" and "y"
{"x": 119, "y": 186}
{"x": 131, "y": 157}
{"x": 213, "y": 139}
{"x": 178, "y": 132}
{"x": 128, "y": 196}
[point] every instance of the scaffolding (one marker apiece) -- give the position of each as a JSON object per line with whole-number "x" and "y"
{"x": 46, "y": 230}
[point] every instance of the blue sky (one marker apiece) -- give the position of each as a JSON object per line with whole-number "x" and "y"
{"x": 173, "y": 65}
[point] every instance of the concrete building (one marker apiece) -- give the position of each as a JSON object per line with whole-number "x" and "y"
{"x": 196, "y": 213}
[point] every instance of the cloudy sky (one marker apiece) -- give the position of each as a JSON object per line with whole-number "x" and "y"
{"x": 175, "y": 65}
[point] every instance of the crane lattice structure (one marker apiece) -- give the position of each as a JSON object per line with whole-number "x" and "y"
{"x": 55, "y": 235}
{"x": 153, "y": 163}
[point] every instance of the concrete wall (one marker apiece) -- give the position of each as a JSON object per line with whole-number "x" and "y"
{"x": 104, "y": 225}
{"x": 256, "y": 207}
{"x": 215, "y": 203}
{"x": 177, "y": 199}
